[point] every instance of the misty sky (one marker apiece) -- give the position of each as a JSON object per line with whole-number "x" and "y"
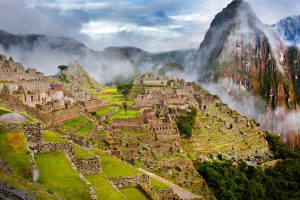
{"x": 154, "y": 25}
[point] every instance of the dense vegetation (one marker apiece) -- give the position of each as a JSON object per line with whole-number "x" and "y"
{"x": 185, "y": 123}
{"x": 282, "y": 181}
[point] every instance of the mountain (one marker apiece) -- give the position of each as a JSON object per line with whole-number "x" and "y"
{"x": 251, "y": 62}
{"x": 47, "y": 52}
{"x": 240, "y": 47}
{"x": 289, "y": 30}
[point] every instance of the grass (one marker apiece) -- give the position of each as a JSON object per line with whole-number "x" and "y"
{"x": 4, "y": 111}
{"x": 81, "y": 153}
{"x": 133, "y": 194}
{"x": 50, "y": 136}
{"x": 33, "y": 189}
{"x": 133, "y": 133}
{"x": 113, "y": 167}
{"x": 32, "y": 119}
{"x": 13, "y": 151}
{"x": 100, "y": 143}
{"x": 157, "y": 185}
{"x": 57, "y": 174}
{"x": 129, "y": 114}
{"x": 72, "y": 123}
{"x": 102, "y": 132}
{"x": 82, "y": 131}
{"x": 103, "y": 188}
{"x": 104, "y": 111}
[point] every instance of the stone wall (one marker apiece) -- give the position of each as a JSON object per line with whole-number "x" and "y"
{"x": 92, "y": 105}
{"x": 88, "y": 165}
{"x": 49, "y": 146}
{"x": 127, "y": 124}
{"x": 130, "y": 181}
{"x": 61, "y": 116}
{"x": 9, "y": 192}
{"x": 167, "y": 194}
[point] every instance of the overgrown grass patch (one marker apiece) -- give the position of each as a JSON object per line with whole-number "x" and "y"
{"x": 104, "y": 111}
{"x": 72, "y": 123}
{"x": 157, "y": 185}
{"x": 50, "y": 136}
{"x": 133, "y": 194}
{"x": 103, "y": 188}
{"x": 82, "y": 131}
{"x": 133, "y": 132}
{"x": 129, "y": 114}
{"x": 4, "y": 111}
{"x": 113, "y": 167}
{"x": 57, "y": 174}
{"x": 13, "y": 151}
{"x": 82, "y": 153}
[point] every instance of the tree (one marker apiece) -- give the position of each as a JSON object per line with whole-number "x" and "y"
{"x": 185, "y": 123}
{"x": 124, "y": 89}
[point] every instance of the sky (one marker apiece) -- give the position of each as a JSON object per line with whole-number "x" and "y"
{"x": 153, "y": 25}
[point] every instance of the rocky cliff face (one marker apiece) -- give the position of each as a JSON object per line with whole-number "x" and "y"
{"x": 240, "y": 48}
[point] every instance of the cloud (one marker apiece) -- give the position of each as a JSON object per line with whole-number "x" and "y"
{"x": 154, "y": 25}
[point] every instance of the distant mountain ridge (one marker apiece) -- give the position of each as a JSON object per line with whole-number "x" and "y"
{"x": 63, "y": 50}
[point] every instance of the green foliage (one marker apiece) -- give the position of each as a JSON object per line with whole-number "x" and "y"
{"x": 124, "y": 89}
{"x": 185, "y": 123}
{"x": 129, "y": 114}
{"x": 245, "y": 182}
{"x": 63, "y": 78}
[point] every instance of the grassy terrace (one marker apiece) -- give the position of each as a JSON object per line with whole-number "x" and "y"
{"x": 133, "y": 133}
{"x": 104, "y": 111}
{"x": 50, "y": 136}
{"x": 103, "y": 188}
{"x": 113, "y": 167}
{"x": 82, "y": 153}
{"x": 82, "y": 131}
{"x": 4, "y": 111}
{"x": 156, "y": 185}
{"x": 72, "y": 123}
{"x": 57, "y": 174}
{"x": 13, "y": 150}
{"x": 133, "y": 194}
{"x": 129, "y": 114}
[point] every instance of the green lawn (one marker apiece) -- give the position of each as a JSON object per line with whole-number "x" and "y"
{"x": 133, "y": 194}
{"x": 104, "y": 111}
{"x": 57, "y": 174}
{"x": 103, "y": 188}
{"x": 85, "y": 129}
{"x": 72, "y": 123}
{"x": 129, "y": 114}
{"x": 14, "y": 152}
{"x": 157, "y": 185}
{"x": 133, "y": 133}
{"x": 4, "y": 111}
{"x": 82, "y": 153}
{"x": 113, "y": 167}
{"x": 50, "y": 136}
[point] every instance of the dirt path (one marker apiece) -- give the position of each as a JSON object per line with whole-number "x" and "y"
{"x": 179, "y": 191}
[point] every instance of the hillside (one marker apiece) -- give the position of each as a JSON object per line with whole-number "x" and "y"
{"x": 250, "y": 55}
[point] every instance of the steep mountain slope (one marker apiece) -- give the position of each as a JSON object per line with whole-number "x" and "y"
{"x": 251, "y": 57}
{"x": 48, "y": 52}
{"x": 239, "y": 47}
